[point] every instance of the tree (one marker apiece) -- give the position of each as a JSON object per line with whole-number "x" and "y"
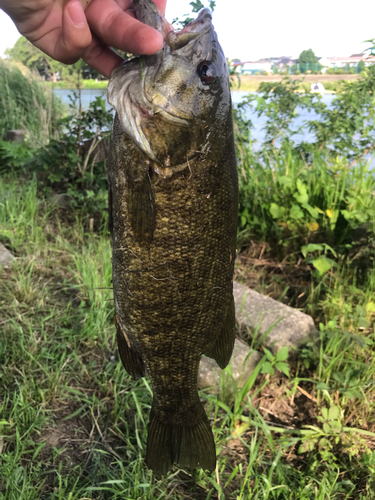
{"x": 36, "y": 60}
{"x": 307, "y": 61}
{"x": 361, "y": 66}
{"x": 33, "y": 58}
{"x": 307, "y": 57}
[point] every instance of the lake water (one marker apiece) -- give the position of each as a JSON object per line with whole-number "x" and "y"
{"x": 88, "y": 95}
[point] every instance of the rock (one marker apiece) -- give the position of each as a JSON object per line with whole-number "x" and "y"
{"x": 291, "y": 328}
{"x": 62, "y": 200}
{"x": 16, "y": 136}
{"x": 243, "y": 361}
{"x": 6, "y": 257}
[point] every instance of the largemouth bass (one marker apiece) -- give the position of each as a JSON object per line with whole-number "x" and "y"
{"x": 173, "y": 195}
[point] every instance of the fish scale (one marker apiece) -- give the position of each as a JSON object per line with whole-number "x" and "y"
{"x": 173, "y": 196}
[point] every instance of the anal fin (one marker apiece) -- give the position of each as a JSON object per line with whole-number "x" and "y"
{"x": 130, "y": 358}
{"x": 222, "y": 349}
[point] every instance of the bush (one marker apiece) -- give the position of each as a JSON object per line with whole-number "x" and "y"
{"x": 286, "y": 201}
{"x": 26, "y": 103}
{"x": 68, "y": 165}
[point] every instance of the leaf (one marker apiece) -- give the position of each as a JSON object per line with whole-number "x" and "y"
{"x": 370, "y": 306}
{"x": 286, "y": 181}
{"x": 312, "y": 226}
{"x": 301, "y": 196}
{"x": 269, "y": 354}
{"x": 296, "y": 212}
{"x": 334, "y": 412}
{"x": 311, "y": 247}
{"x": 326, "y": 428}
{"x": 307, "y": 445}
{"x": 282, "y": 355}
{"x": 267, "y": 368}
{"x": 325, "y": 444}
{"x": 283, "y": 367}
{"x": 321, "y": 386}
{"x": 312, "y": 211}
{"x": 322, "y": 264}
{"x": 325, "y": 413}
{"x": 276, "y": 211}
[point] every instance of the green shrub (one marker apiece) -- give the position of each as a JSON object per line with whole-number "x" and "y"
{"x": 68, "y": 166}
{"x": 287, "y": 201}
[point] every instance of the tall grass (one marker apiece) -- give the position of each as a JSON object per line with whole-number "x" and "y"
{"x": 73, "y": 424}
{"x": 26, "y": 103}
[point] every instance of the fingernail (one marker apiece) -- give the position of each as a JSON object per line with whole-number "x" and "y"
{"x": 76, "y": 13}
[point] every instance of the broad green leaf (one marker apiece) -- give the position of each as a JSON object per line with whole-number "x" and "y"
{"x": 322, "y": 264}
{"x": 324, "y": 443}
{"x": 326, "y": 428}
{"x": 325, "y": 413}
{"x": 301, "y": 196}
{"x": 283, "y": 367}
{"x": 334, "y": 412}
{"x": 276, "y": 211}
{"x": 286, "y": 181}
{"x": 267, "y": 368}
{"x": 296, "y": 212}
{"x": 269, "y": 354}
{"x": 321, "y": 386}
{"x": 282, "y": 355}
{"x": 370, "y": 306}
{"x": 311, "y": 247}
{"x": 312, "y": 211}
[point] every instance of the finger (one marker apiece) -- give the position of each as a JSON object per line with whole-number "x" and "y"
{"x": 101, "y": 57}
{"x": 66, "y": 40}
{"x": 118, "y": 29}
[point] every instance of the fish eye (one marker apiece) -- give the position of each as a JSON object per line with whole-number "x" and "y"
{"x": 207, "y": 72}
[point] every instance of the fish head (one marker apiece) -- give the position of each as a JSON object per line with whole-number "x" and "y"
{"x": 169, "y": 102}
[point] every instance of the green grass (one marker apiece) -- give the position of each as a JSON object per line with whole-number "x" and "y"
{"x": 73, "y": 424}
{"x": 28, "y": 104}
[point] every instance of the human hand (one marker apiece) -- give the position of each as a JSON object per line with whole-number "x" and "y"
{"x": 68, "y": 30}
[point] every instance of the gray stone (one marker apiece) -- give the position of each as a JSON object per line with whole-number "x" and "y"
{"x": 286, "y": 326}
{"x": 243, "y": 362}
{"x": 16, "y": 135}
{"x": 6, "y": 257}
{"x": 62, "y": 200}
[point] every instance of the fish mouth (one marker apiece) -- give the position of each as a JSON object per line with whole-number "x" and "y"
{"x": 128, "y": 90}
{"x": 200, "y": 26}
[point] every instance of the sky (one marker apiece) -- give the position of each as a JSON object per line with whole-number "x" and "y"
{"x": 249, "y": 30}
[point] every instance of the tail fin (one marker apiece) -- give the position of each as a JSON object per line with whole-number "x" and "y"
{"x": 188, "y": 446}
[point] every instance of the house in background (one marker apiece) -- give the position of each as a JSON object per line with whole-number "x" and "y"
{"x": 267, "y": 64}
{"x": 346, "y": 62}
{"x": 253, "y": 67}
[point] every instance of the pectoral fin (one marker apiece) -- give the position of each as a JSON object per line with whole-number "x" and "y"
{"x": 222, "y": 349}
{"x": 130, "y": 358}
